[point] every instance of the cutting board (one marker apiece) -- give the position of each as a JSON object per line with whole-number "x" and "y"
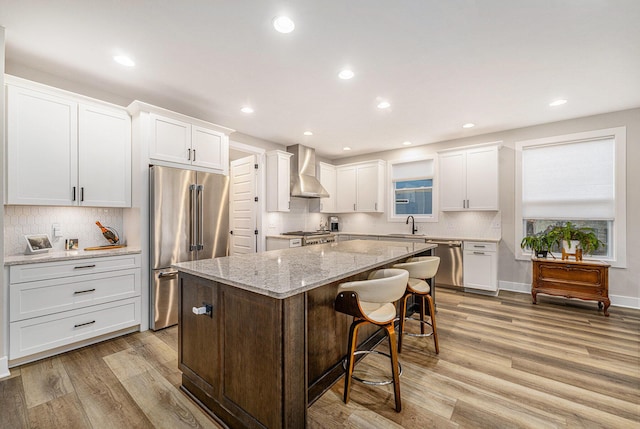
{"x": 107, "y": 247}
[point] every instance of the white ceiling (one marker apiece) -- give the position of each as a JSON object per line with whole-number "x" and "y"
{"x": 441, "y": 63}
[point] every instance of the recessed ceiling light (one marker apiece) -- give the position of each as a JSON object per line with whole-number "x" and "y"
{"x": 557, "y": 103}
{"x": 407, "y": 143}
{"x": 283, "y": 24}
{"x": 123, "y": 60}
{"x": 308, "y": 133}
{"x": 469, "y": 125}
{"x": 346, "y": 74}
{"x": 246, "y": 109}
{"x": 346, "y": 148}
{"x": 384, "y": 105}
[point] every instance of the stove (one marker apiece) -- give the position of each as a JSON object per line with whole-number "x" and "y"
{"x": 313, "y": 237}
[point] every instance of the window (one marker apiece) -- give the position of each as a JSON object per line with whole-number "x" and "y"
{"x": 412, "y": 191}
{"x": 578, "y": 178}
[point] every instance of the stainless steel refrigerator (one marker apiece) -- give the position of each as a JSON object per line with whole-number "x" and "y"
{"x": 189, "y": 220}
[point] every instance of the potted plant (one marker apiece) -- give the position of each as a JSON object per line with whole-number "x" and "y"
{"x": 571, "y": 237}
{"x": 539, "y": 243}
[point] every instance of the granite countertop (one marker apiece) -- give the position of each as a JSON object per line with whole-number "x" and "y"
{"x": 422, "y": 236}
{"x": 287, "y": 272}
{"x": 66, "y": 255}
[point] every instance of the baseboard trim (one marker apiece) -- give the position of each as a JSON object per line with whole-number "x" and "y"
{"x": 625, "y": 301}
{"x": 4, "y": 367}
{"x": 515, "y": 287}
{"x": 616, "y": 300}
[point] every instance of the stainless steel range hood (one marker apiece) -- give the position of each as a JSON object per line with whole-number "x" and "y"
{"x": 303, "y": 173}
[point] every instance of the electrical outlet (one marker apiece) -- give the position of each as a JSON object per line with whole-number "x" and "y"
{"x": 57, "y": 231}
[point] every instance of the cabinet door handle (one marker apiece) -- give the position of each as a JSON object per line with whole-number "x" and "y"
{"x": 74, "y": 194}
{"x": 478, "y": 253}
{"x": 84, "y": 324}
{"x": 78, "y": 292}
{"x": 354, "y": 207}
{"x": 82, "y": 193}
{"x": 375, "y": 206}
{"x": 84, "y": 266}
{"x": 189, "y": 155}
{"x": 479, "y": 246}
{"x": 194, "y": 155}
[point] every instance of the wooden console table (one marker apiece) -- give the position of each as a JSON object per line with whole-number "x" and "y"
{"x": 588, "y": 280}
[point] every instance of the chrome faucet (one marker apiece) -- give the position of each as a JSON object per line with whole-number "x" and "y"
{"x": 413, "y": 224}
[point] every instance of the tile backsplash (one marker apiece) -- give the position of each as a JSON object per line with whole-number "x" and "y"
{"x": 471, "y": 224}
{"x": 75, "y": 222}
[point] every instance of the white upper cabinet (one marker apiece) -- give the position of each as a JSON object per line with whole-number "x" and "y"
{"x": 170, "y": 139}
{"x": 346, "y": 193}
{"x": 328, "y": 181}
{"x": 278, "y": 181}
{"x": 360, "y": 187}
{"x": 64, "y": 149}
{"x": 469, "y": 179}
{"x": 104, "y": 157}
{"x": 187, "y": 141}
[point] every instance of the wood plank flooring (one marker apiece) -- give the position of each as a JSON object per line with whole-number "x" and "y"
{"x": 503, "y": 363}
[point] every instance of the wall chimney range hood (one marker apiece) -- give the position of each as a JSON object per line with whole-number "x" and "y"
{"x": 303, "y": 173}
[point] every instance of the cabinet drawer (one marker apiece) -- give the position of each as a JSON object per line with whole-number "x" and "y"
{"x": 578, "y": 276}
{"x": 77, "y": 267}
{"x": 480, "y": 246}
{"x": 43, "y": 333}
{"x": 32, "y": 299}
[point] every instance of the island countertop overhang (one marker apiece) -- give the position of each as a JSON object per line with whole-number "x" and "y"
{"x": 283, "y": 273}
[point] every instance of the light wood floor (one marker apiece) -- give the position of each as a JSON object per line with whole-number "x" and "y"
{"x": 503, "y": 363}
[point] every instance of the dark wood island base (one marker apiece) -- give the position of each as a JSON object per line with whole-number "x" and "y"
{"x": 257, "y": 361}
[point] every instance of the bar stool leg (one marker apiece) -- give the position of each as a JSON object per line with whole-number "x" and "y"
{"x": 353, "y": 341}
{"x": 423, "y": 310}
{"x": 394, "y": 365}
{"x": 432, "y": 311}
{"x": 403, "y": 314}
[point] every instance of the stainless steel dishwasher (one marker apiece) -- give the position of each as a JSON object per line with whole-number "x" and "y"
{"x": 450, "y": 269}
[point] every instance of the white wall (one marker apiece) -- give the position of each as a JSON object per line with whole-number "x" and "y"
{"x": 624, "y": 284}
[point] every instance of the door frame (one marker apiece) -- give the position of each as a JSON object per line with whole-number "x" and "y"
{"x": 260, "y": 185}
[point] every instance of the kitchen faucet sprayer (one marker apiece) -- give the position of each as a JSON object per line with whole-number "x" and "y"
{"x": 413, "y": 224}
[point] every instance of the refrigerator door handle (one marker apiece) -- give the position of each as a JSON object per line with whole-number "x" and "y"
{"x": 200, "y": 202}
{"x": 193, "y": 212}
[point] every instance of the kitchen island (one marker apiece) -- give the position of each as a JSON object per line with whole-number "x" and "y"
{"x": 259, "y": 339}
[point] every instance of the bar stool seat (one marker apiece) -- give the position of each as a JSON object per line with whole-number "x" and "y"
{"x": 420, "y": 269}
{"x": 372, "y": 301}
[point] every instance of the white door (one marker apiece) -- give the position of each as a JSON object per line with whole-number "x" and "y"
{"x": 243, "y": 206}
{"x": 42, "y": 148}
{"x": 104, "y": 157}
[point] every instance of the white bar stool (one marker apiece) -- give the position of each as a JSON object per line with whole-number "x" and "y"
{"x": 372, "y": 301}
{"x": 420, "y": 269}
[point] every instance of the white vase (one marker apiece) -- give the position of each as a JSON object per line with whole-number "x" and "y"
{"x": 571, "y": 246}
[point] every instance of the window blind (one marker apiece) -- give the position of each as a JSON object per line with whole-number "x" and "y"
{"x": 412, "y": 170}
{"x": 573, "y": 180}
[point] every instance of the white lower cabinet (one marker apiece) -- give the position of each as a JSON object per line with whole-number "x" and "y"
{"x": 480, "y": 265}
{"x": 56, "y": 304}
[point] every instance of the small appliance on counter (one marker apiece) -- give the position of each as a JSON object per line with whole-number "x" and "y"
{"x": 334, "y": 223}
